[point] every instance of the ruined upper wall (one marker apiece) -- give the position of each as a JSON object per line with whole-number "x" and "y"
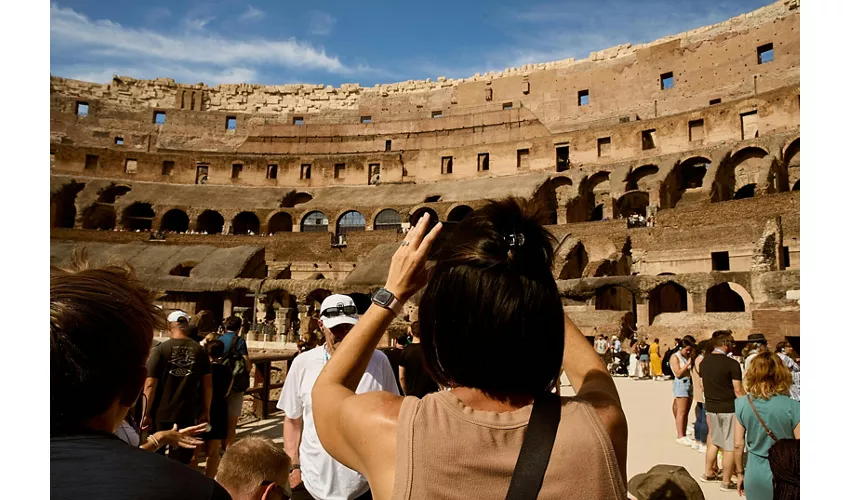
{"x": 621, "y": 79}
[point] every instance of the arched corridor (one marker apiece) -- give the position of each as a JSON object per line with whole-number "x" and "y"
{"x": 721, "y": 298}
{"x": 175, "y": 220}
{"x": 210, "y": 222}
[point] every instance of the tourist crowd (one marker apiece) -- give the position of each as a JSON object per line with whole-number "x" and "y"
{"x": 454, "y": 424}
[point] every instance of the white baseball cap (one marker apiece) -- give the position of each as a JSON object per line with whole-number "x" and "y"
{"x": 343, "y": 309}
{"x": 176, "y": 315}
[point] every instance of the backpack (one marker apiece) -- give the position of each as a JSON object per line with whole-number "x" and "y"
{"x": 665, "y": 363}
{"x": 233, "y": 360}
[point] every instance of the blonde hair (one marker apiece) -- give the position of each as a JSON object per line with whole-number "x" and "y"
{"x": 249, "y": 462}
{"x": 767, "y": 377}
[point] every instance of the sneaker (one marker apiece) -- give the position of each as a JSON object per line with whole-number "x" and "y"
{"x": 710, "y": 479}
{"x": 695, "y": 446}
{"x": 702, "y": 448}
{"x": 728, "y": 487}
{"x": 684, "y": 441}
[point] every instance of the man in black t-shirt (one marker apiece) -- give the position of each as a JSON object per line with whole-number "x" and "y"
{"x": 101, "y": 327}
{"x": 179, "y": 384}
{"x": 721, "y": 380}
{"x": 413, "y": 377}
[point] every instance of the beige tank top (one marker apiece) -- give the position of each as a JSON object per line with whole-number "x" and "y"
{"x": 447, "y": 450}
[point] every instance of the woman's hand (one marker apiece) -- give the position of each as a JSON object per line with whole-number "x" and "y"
{"x": 407, "y": 270}
{"x": 740, "y": 485}
{"x": 181, "y": 437}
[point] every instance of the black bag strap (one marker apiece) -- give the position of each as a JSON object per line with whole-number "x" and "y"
{"x": 536, "y": 447}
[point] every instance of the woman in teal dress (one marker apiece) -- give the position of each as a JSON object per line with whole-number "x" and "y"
{"x": 768, "y": 382}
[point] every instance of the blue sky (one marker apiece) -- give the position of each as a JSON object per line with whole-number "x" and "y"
{"x": 335, "y": 42}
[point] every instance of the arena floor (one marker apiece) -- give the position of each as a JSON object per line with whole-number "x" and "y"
{"x": 652, "y": 435}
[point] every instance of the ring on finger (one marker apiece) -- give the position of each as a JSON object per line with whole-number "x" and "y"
{"x": 405, "y": 243}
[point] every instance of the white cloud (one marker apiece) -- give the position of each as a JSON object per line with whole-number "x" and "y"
{"x": 321, "y": 23}
{"x": 196, "y": 51}
{"x": 193, "y": 24}
{"x": 252, "y": 14}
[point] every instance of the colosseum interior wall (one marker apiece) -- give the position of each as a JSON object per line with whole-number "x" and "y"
{"x": 261, "y": 200}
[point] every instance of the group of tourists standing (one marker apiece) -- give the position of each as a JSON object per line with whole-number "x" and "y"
{"x": 751, "y": 411}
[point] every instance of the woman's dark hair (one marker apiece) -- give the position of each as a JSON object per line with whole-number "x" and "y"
{"x": 215, "y": 348}
{"x": 491, "y": 316}
{"x": 102, "y": 322}
{"x": 784, "y": 459}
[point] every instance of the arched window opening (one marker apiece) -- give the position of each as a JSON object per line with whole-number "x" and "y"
{"x": 634, "y": 203}
{"x": 350, "y": 222}
{"x": 314, "y": 222}
{"x": 597, "y": 189}
{"x": 747, "y": 191}
{"x": 246, "y": 223}
{"x": 741, "y": 169}
{"x": 721, "y": 298}
{"x": 280, "y": 222}
{"x": 667, "y": 298}
{"x": 575, "y": 263}
{"x": 138, "y": 217}
{"x": 63, "y": 211}
{"x": 292, "y": 199}
{"x": 210, "y": 222}
{"x": 459, "y": 213}
{"x": 636, "y": 179}
{"x": 175, "y": 220}
{"x": 388, "y": 219}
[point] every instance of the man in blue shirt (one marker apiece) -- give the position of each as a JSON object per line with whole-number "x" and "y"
{"x": 231, "y": 339}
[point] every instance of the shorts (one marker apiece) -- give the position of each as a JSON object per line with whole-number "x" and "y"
{"x": 722, "y": 430}
{"x": 682, "y": 388}
{"x": 644, "y": 357}
{"x": 234, "y": 404}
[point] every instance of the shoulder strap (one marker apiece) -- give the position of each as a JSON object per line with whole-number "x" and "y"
{"x": 533, "y": 459}
{"x": 769, "y": 432}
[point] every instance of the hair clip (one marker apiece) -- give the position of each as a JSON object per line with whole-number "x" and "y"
{"x": 515, "y": 239}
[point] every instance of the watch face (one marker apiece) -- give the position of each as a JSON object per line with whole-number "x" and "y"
{"x": 383, "y": 297}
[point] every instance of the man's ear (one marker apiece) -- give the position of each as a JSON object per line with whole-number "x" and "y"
{"x": 273, "y": 492}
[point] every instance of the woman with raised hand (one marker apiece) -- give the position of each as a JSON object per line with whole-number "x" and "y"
{"x": 493, "y": 330}
{"x": 764, "y": 416}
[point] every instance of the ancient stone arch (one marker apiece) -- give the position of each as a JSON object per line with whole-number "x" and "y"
{"x": 175, "y": 220}
{"x": 280, "y": 222}
{"x": 246, "y": 223}
{"x": 387, "y": 219}
{"x": 458, "y": 213}
{"x": 314, "y": 221}
{"x": 669, "y": 297}
{"x": 746, "y": 166}
{"x": 350, "y": 221}
{"x": 138, "y": 217}
{"x": 727, "y": 297}
{"x": 210, "y": 222}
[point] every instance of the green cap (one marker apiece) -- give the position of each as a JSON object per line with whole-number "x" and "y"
{"x": 665, "y": 482}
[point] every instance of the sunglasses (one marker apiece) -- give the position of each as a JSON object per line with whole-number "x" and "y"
{"x": 339, "y": 310}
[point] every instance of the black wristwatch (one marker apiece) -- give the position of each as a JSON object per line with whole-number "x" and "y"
{"x": 294, "y": 467}
{"x": 385, "y": 298}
